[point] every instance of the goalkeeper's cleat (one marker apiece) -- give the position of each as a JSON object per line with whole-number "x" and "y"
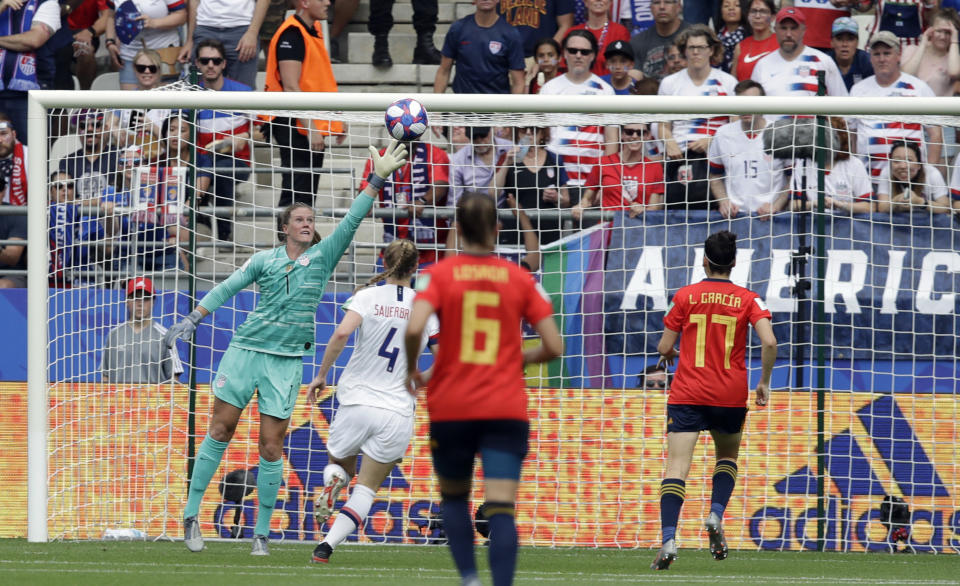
{"x": 322, "y": 553}
{"x": 259, "y": 545}
{"x": 718, "y": 543}
{"x": 323, "y": 508}
{"x": 665, "y": 556}
{"x": 191, "y": 534}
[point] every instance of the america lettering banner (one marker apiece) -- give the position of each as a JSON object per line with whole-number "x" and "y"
{"x": 591, "y": 477}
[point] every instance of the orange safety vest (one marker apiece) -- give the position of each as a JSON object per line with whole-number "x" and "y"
{"x": 316, "y": 73}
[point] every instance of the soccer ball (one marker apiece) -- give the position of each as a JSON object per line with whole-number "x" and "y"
{"x": 406, "y": 119}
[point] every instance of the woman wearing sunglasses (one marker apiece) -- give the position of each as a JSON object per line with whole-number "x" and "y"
{"x": 140, "y": 127}
{"x": 160, "y": 20}
{"x": 628, "y": 180}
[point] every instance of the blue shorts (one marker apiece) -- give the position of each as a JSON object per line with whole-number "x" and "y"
{"x": 502, "y": 444}
{"x": 697, "y": 418}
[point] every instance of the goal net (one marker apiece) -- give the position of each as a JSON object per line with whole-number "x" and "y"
{"x": 151, "y": 200}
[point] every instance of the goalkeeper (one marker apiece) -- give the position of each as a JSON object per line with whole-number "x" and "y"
{"x": 266, "y": 352}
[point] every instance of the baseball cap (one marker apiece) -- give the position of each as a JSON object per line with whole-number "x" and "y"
{"x": 140, "y": 284}
{"x": 885, "y": 37}
{"x": 619, "y": 48}
{"x": 791, "y": 13}
{"x": 845, "y": 24}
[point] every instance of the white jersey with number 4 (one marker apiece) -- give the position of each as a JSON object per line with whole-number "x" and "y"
{"x": 752, "y": 177}
{"x": 377, "y": 371}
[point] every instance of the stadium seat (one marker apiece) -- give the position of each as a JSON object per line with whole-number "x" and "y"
{"x": 106, "y": 81}
{"x": 62, "y": 147}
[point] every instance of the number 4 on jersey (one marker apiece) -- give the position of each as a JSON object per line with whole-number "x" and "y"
{"x": 386, "y": 352}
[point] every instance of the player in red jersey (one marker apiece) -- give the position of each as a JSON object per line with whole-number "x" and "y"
{"x": 709, "y": 391}
{"x": 477, "y": 397}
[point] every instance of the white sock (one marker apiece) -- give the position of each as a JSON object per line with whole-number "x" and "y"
{"x": 329, "y": 470}
{"x": 351, "y": 514}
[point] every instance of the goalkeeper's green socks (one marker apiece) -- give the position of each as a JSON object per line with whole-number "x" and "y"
{"x": 204, "y": 467}
{"x": 268, "y": 484}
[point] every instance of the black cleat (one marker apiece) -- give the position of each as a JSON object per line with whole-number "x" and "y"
{"x": 381, "y": 52}
{"x": 718, "y": 543}
{"x": 322, "y": 553}
{"x": 665, "y": 556}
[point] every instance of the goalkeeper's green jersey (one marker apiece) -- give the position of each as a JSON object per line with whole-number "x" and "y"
{"x": 283, "y": 322}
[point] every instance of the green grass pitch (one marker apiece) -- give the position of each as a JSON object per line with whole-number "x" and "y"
{"x": 148, "y": 563}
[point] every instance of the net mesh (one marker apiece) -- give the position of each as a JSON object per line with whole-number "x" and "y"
{"x": 185, "y": 197}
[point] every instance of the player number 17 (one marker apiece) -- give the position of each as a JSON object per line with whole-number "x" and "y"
{"x": 700, "y": 320}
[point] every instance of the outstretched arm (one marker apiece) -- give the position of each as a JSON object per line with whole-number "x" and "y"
{"x": 351, "y": 321}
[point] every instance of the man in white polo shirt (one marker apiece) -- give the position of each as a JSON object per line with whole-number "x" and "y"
{"x": 875, "y": 136}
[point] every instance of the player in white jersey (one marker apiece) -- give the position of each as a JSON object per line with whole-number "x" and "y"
{"x": 376, "y": 410}
{"x": 580, "y": 146}
{"x": 874, "y": 136}
{"x": 846, "y": 185}
{"x": 743, "y": 176}
{"x": 907, "y": 184}
{"x": 686, "y": 141}
{"x": 792, "y": 70}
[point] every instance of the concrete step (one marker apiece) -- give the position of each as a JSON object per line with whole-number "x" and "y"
{"x": 365, "y": 73}
{"x": 360, "y": 47}
{"x": 403, "y": 12}
{"x": 398, "y": 29}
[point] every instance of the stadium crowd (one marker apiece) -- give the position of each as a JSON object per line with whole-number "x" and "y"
{"x": 571, "y": 47}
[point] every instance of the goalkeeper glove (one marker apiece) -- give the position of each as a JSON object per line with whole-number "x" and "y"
{"x": 182, "y": 330}
{"x": 393, "y": 158}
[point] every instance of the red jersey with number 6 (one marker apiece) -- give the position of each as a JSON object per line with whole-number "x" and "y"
{"x": 480, "y": 302}
{"x": 712, "y": 318}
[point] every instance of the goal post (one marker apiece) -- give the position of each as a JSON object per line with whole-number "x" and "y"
{"x": 595, "y": 436}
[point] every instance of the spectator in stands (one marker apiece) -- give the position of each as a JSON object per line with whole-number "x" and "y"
{"x": 140, "y": 127}
{"x": 820, "y": 17}
{"x": 24, "y": 28}
{"x": 955, "y": 186}
{"x": 134, "y": 352}
{"x": 650, "y": 46}
{"x": 792, "y": 70}
{"x": 297, "y": 61}
{"x": 536, "y": 180}
{"x": 936, "y": 60}
{"x": 853, "y": 63}
{"x": 472, "y": 167}
{"x": 161, "y": 20}
{"x": 906, "y": 19}
{"x": 87, "y": 21}
{"x": 846, "y": 183}
{"x": 874, "y": 136}
{"x": 695, "y": 12}
{"x": 580, "y": 147}
{"x": 761, "y": 41}
{"x": 94, "y": 165}
{"x": 628, "y": 180}
{"x": 907, "y": 184}
{"x": 605, "y": 30}
{"x": 223, "y": 140}
{"x": 13, "y": 257}
{"x": 654, "y": 376}
{"x": 687, "y": 141}
{"x": 675, "y": 62}
{"x": 236, "y": 24}
{"x": 425, "y": 14}
{"x": 743, "y": 177}
{"x": 488, "y": 53}
{"x": 732, "y": 29}
{"x": 547, "y": 54}
{"x": 277, "y": 13}
{"x": 546, "y": 19}
{"x": 619, "y": 55}
{"x": 422, "y": 184}
{"x": 64, "y": 230}
{"x": 13, "y": 165}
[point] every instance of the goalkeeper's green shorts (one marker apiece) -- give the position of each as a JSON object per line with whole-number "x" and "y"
{"x": 276, "y": 379}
